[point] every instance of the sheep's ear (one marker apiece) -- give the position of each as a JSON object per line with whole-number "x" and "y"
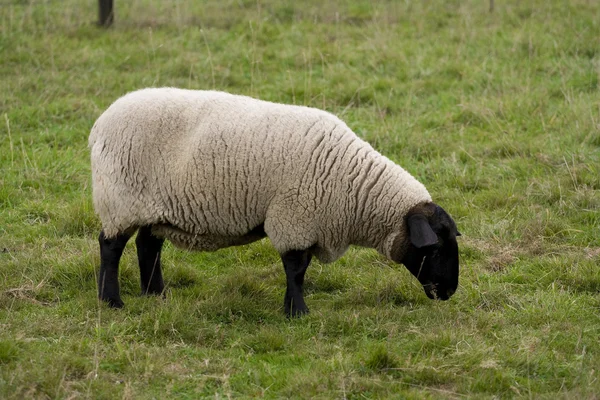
{"x": 421, "y": 234}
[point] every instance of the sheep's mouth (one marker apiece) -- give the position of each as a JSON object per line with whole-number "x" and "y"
{"x": 434, "y": 293}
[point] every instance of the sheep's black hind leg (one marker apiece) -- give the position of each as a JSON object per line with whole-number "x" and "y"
{"x": 295, "y": 263}
{"x": 148, "y": 251}
{"x": 108, "y": 277}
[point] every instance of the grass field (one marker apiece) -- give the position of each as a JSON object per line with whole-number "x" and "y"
{"x": 497, "y": 113}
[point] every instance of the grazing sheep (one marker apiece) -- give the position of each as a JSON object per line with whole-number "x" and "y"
{"x": 208, "y": 170}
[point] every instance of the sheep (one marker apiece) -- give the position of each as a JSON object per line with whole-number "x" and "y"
{"x": 208, "y": 170}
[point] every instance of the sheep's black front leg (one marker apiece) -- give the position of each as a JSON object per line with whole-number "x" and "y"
{"x": 108, "y": 278}
{"x": 295, "y": 263}
{"x": 148, "y": 251}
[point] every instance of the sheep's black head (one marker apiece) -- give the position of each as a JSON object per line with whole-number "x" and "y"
{"x": 432, "y": 254}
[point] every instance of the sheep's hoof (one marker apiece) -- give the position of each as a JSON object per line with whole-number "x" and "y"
{"x": 114, "y": 302}
{"x": 160, "y": 293}
{"x": 296, "y": 312}
{"x": 153, "y": 291}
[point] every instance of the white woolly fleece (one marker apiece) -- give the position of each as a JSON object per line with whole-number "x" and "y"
{"x": 205, "y": 168}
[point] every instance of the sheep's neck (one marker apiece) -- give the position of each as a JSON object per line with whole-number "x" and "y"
{"x": 382, "y": 199}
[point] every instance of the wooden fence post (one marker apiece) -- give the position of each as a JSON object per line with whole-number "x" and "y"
{"x": 106, "y": 16}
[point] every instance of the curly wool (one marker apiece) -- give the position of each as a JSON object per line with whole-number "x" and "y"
{"x": 208, "y": 169}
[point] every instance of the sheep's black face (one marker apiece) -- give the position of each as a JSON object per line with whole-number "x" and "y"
{"x": 432, "y": 255}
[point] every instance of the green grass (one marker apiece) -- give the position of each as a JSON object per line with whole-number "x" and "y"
{"x": 498, "y": 114}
